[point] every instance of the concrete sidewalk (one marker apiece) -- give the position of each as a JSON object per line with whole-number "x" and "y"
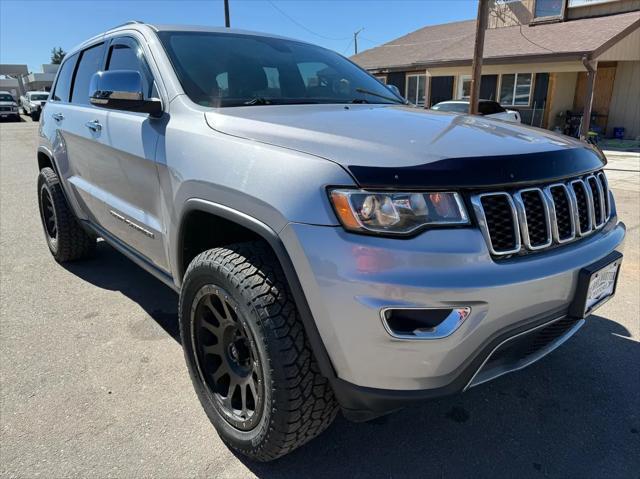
{"x": 623, "y": 170}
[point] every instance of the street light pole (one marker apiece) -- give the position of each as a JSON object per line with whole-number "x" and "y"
{"x": 476, "y": 76}
{"x": 227, "y": 19}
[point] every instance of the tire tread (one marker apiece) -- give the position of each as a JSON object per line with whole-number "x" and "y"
{"x": 303, "y": 404}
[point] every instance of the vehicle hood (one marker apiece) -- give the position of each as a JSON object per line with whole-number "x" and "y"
{"x": 8, "y": 103}
{"x": 383, "y": 145}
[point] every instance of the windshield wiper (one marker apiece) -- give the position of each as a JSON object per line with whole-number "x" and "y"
{"x": 280, "y": 101}
{"x": 257, "y": 101}
{"x": 384, "y": 97}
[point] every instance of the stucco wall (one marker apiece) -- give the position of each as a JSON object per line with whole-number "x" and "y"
{"x": 624, "y": 109}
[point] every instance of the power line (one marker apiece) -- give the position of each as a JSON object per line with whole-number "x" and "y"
{"x": 344, "y": 52}
{"x": 285, "y": 14}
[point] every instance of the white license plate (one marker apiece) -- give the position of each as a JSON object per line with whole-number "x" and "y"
{"x": 601, "y": 285}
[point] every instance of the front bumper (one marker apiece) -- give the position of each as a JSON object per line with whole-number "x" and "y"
{"x": 348, "y": 279}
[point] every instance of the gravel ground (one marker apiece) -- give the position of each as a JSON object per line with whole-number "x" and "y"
{"x": 93, "y": 381}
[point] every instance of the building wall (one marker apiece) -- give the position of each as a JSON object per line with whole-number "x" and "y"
{"x": 606, "y": 8}
{"x": 627, "y": 49}
{"x": 522, "y": 12}
{"x": 562, "y": 88}
{"x": 624, "y": 109}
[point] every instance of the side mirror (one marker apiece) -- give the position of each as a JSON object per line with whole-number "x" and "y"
{"x": 395, "y": 90}
{"x": 122, "y": 90}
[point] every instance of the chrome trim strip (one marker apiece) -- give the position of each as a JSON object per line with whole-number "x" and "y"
{"x": 522, "y": 218}
{"x": 553, "y": 214}
{"x": 476, "y": 201}
{"x": 588, "y": 201}
{"x": 528, "y": 360}
{"x": 131, "y": 224}
{"x": 446, "y": 328}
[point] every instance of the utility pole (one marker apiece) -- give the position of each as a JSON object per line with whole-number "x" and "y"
{"x": 591, "y": 68}
{"x": 355, "y": 40}
{"x": 227, "y": 19}
{"x": 476, "y": 68}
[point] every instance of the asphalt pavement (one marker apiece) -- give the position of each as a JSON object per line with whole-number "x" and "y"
{"x": 93, "y": 381}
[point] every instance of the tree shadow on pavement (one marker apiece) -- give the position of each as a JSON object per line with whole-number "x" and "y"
{"x": 575, "y": 413}
{"x": 111, "y": 270}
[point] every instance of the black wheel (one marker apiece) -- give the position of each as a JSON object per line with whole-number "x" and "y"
{"x": 67, "y": 240}
{"x": 248, "y": 355}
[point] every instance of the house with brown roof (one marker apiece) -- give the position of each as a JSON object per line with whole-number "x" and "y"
{"x": 536, "y": 57}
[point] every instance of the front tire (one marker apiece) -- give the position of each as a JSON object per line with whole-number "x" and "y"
{"x": 248, "y": 355}
{"x": 67, "y": 240}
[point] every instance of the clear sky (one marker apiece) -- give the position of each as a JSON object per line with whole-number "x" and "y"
{"x": 29, "y": 29}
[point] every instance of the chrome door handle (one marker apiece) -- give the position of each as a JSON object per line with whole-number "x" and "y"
{"x": 58, "y": 116}
{"x": 93, "y": 125}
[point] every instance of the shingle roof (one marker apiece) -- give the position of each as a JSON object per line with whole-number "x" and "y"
{"x": 453, "y": 42}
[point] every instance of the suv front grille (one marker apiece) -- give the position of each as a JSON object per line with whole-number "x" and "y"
{"x": 531, "y": 219}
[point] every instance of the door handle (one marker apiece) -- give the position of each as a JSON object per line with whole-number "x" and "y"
{"x": 93, "y": 125}
{"x": 58, "y": 116}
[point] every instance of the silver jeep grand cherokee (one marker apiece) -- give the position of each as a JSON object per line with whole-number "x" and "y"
{"x": 333, "y": 248}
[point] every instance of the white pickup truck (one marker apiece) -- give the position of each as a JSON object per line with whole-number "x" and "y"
{"x": 32, "y": 103}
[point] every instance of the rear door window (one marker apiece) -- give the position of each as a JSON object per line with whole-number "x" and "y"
{"x": 90, "y": 63}
{"x": 63, "y": 83}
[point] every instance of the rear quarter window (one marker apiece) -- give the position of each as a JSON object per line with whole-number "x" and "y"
{"x": 63, "y": 83}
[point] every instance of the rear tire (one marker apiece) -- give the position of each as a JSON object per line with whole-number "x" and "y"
{"x": 66, "y": 238}
{"x": 291, "y": 402}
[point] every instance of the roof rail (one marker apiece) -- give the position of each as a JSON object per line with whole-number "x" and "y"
{"x": 130, "y": 22}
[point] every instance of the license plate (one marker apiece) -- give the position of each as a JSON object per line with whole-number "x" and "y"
{"x": 596, "y": 285}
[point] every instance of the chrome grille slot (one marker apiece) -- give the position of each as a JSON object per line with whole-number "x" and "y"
{"x": 497, "y": 213}
{"x": 563, "y": 222}
{"x": 598, "y": 201}
{"x": 582, "y": 197}
{"x": 532, "y": 219}
{"x": 533, "y": 214}
{"x": 605, "y": 190}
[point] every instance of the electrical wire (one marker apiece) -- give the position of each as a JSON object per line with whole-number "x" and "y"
{"x": 285, "y": 14}
{"x": 344, "y": 52}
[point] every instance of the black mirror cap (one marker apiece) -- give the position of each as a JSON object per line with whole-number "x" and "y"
{"x": 122, "y": 90}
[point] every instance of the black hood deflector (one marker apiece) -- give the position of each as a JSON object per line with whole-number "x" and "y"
{"x": 482, "y": 171}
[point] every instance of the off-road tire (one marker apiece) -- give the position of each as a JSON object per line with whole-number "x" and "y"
{"x": 71, "y": 241}
{"x": 298, "y": 401}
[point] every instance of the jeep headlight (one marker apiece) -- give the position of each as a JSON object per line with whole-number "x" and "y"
{"x": 397, "y": 213}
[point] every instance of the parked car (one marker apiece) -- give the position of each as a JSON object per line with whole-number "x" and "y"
{"x": 333, "y": 249}
{"x": 488, "y": 108}
{"x": 8, "y": 106}
{"x": 32, "y": 103}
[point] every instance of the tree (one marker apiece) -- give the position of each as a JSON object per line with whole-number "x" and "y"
{"x": 57, "y": 54}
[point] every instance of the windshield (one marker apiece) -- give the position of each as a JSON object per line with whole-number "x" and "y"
{"x": 41, "y": 97}
{"x": 6, "y": 98}
{"x": 228, "y": 69}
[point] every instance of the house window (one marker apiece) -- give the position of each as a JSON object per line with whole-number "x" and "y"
{"x": 464, "y": 87}
{"x": 382, "y": 79}
{"x": 548, "y": 8}
{"x": 515, "y": 89}
{"x": 415, "y": 89}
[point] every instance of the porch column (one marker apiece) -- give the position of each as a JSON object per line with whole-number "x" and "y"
{"x": 427, "y": 89}
{"x": 588, "y": 99}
